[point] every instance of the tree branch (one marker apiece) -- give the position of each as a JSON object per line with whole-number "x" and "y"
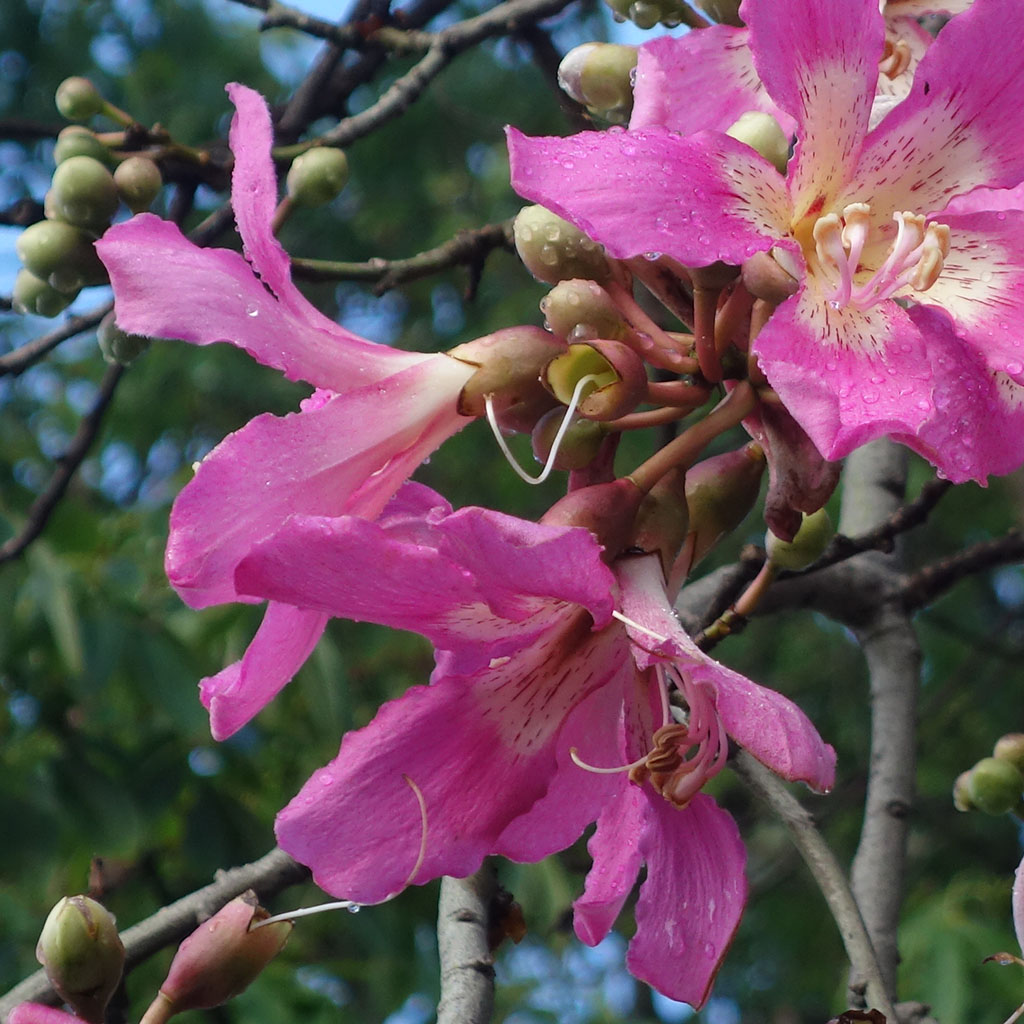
{"x": 467, "y": 967}
{"x": 20, "y": 359}
{"x": 269, "y": 875}
{"x": 42, "y": 508}
{"x": 827, "y": 874}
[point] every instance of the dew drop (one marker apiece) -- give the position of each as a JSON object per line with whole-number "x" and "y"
{"x": 1013, "y": 368}
{"x": 252, "y": 310}
{"x": 986, "y": 276}
{"x": 353, "y": 908}
{"x": 869, "y": 396}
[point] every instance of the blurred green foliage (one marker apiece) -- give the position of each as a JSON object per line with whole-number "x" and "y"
{"x": 104, "y": 747}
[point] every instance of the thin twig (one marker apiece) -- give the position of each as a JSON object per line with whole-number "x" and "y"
{"x": 827, "y": 873}
{"x": 467, "y": 967}
{"x": 268, "y": 876}
{"x": 20, "y": 359}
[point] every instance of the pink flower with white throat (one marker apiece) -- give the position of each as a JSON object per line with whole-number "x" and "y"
{"x": 551, "y": 667}
{"x": 858, "y": 220}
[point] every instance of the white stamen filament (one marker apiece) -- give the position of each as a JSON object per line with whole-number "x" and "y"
{"x": 549, "y": 465}
{"x": 580, "y": 763}
{"x": 636, "y": 625}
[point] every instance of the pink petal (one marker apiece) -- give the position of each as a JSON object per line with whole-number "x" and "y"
{"x": 38, "y": 1013}
{"x": 847, "y": 376}
{"x": 819, "y": 63}
{"x": 342, "y": 456}
{"x": 698, "y": 199}
{"x": 692, "y": 900}
{"x": 982, "y": 199}
{"x": 713, "y": 69}
{"x": 481, "y": 750}
{"x": 949, "y": 136}
{"x": 1018, "y": 904}
{"x": 282, "y": 644}
{"x": 615, "y": 850}
{"x": 167, "y": 287}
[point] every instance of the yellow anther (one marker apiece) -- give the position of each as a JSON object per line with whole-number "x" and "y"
{"x": 896, "y": 58}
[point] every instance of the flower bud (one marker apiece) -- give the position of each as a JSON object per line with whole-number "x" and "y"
{"x": 317, "y": 176}
{"x": 33, "y": 295}
{"x": 766, "y": 279}
{"x": 553, "y": 250}
{"x": 60, "y": 254}
{"x": 580, "y": 310}
{"x": 580, "y": 443}
{"x": 720, "y": 491}
{"x": 78, "y": 99}
{"x": 223, "y": 956}
{"x": 621, "y": 383}
{"x": 84, "y": 193}
{"x": 647, "y": 13}
{"x": 118, "y": 346}
{"x": 39, "y": 1013}
{"x": 995, "y": 785}
{"x": 138, "y": 181}
{"x": 806, "y": 547}
{"x": 607, "y": 510}
{"x": 82, "y": 955}
{"x": 1011, "y": 748}
{"x": 725, "y": 12}
{"x": 600, "y": 76}
{"x": 77, "y": 140}
{"x": 961, "y": 792}
{"x": 663, "y": 522}
{"x": 763, "y": 134}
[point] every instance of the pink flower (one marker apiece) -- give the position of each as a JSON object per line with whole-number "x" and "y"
{"x": 1017, "y": 901}
{"x": 535, "y": 675}
{"x": 40, "y": 1013}
{"x": 857, "y": 220}
{"x": 375, "y": 415}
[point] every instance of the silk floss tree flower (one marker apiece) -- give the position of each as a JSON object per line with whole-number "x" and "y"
{"x": 375, "y": 415}
{"x": 565, "y": 692}
{"x": 906, "y": 319}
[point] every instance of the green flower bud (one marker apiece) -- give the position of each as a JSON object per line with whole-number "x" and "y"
{"x": 1011, "y": 748}
{"x": 84, "y": 193}
{"x": 763, "y": 134}
{"x": 663, "y": 522}
{"x": 648, "y": 13}
{"x": 78, "y": 99}
{"x": 806, "y": 547}
{"x": 961, "y": 792}
{"x": 61, "y": 255}
{"x": 553, "y": 250}
{"x": 77, "y": 140}
{"x": 82, "y": 955}
{"x": 600, "y": 76}
{"x": 995, "y": 785}
{"x": 725, "y": 12}
{"x": 582, "y": 311}
{"x": 138, "y": 181}
{"x": 621, "y": 383}
{"x": 33, "y": 295}
{"x": 118, "y": 346}
{"x": 317, "y": 176}
{"x": 580, "y": 442}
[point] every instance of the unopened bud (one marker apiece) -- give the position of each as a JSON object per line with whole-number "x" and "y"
{"x": 38, "y": 297}
{"x": 82, "y": 955}
{"x": 1011, "y": 748}
{"x": 580, "y": 443}
{"x": 806, "y": 547}
{"x": 765, "y": 279}
{"x": 725, "y": 12}
{"x": 553, "y": 250}
{"x": 763, "y": 134}
{"x": 607, "y": 510}
{"x": 509, "y": 364}
{"x": 222, "y": 957}
{"x": 648, "y": 13}
{"x": 961, "y": 792}
{"x": 580, "y": 310}
{"x": 78, "y": 99}
{"x": 138, "y": 181}
{"x": 620, "y": 383}
{"x": 995, "y": 786}
{"x": 118, "y": 346}
{"x": 84, "y": 193}
{"x": 60, "y": 254}
{"x": 663, "y": 522}
{"x": 600, "y": 76}
{"x": 317, "y": 176}
{"x": 77, "y": 140}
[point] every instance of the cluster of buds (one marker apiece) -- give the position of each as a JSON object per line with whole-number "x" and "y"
{"x": 85, "y": 193}
{"x": 995, "y": 785}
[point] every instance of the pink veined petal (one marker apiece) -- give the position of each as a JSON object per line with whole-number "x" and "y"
{"x": 763, "y": 721}
{"x": 919, "y": 8}
{"x": 615, "y": 851}
{"x": 1017, "y": 901}
{"x": 340, "y": 457}
{"x": 236, "y": 694}
{"x": 209, "y": 295}
{"x": 949, "y": 136}
{"x": 847, "y": 376}
{"x": 822, "y": 69}
{"x": 981, "y": 284}
{"x": 692, "y": 899}
{"x": 482, "y": 751}
{"x": 698, "y": 199}
{"x": 984, "y": 199}
{"x": 978, "y": 426}
{"x": 713, "y": 69}
{"x": 38, "y": 1013}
